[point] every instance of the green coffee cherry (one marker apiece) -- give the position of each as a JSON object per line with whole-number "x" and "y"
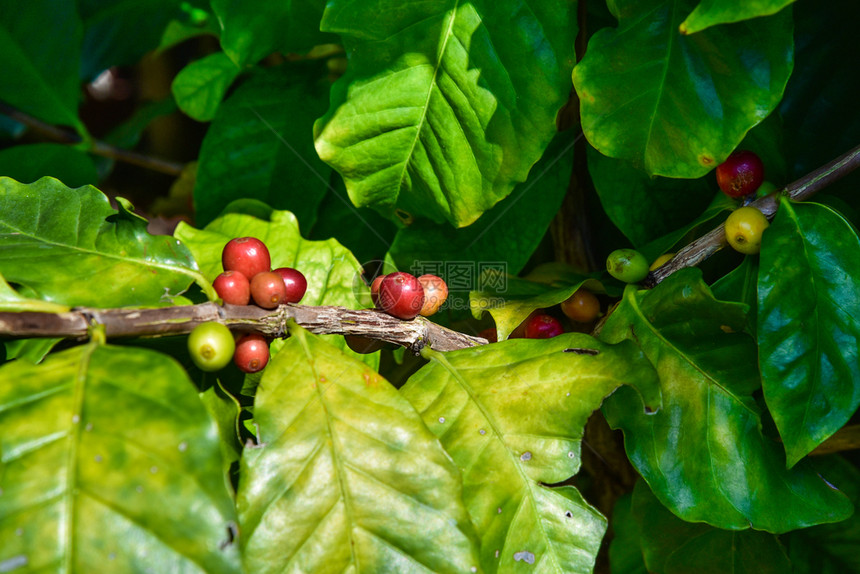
{"x": 211, "y": 346}
{"x": 627, "y": 265}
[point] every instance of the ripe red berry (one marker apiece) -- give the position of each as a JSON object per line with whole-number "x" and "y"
{"x": 268, "y": 289}
{"x": 435, "y": 293}
{"x": 252, "y": 353}
{"x": 295, "y": 283}
{"x": 374, "y": 290}
{"x": 401, "y": 295}
{"x": 233, "y": 288}
{"x": 247, "y": 255}
{"x": 543, "y": 327}
{"x": 741, "y": 174}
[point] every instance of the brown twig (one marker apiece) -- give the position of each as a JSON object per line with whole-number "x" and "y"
{"x": 803, "y": 188}
{"x": 69, "y": 137}
{"x": 166, "y": 321}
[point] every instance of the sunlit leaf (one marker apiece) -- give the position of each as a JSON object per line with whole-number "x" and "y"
{"x": 109, "y": 462}
{"x": 511, "y": 415}
{"x": 70, "y": 246}
{"x": 713, "y": 12}
{"x": 808, "y": 334}
{"x": 444, "y": 106}
{"x": 347, "y": 478}
{"x": 200, "y": 86}
{"x": 704, "y": 454}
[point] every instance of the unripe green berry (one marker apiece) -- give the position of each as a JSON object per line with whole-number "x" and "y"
{"x": 627, "y": 265}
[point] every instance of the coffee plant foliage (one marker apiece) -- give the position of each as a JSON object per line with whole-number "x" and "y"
{"x": 511, "y": 144}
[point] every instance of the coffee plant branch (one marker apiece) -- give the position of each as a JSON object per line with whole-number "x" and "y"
{"x": 801, "y": 189}
{"x": 96, "y": 147}
{"x": 180, "y": 320}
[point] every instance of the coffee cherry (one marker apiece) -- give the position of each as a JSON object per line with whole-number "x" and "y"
{"x": 247, "y": 255}
{"x": 295, "y": 283}
{"x": 543, "y": 327}
{"x": 233, "y": 288}
{"x": 435, "y": 293}
{"x": 744, "y": 229}
{"x": 363, "y": 345}
{"x": 252, "y": 353}
{"x": 582, "y": 306}
{"x": 741, "y": 174}
{"x": 268, "y": 289}
{"x": 661, "y": 261}
{"x": 401, "y": 295}
{"x": 490, "y": 334}
{"x": 374, "y": 290}
{"x": 627, "y": 265}
{"x": 211, "y": 346}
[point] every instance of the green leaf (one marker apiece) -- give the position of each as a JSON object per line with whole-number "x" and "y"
{"x": 10, "y": 300}
{"x": 252, "y": 29}
{"x": 40, "y": 51}
{"x": 33, "y": 350}
{"x": 713, "y": 12}
{"x": 201, "y": 85}
{"x": 678, "y": 105}
{"x": 508, "y": 233}
{"x": 119, "y": 32}
{"x": 191, "y": 23}
{"x": 260, "y": 146}
{"x": 445, "y": 106}
{"x": 224, "y": 410}
{"x": 332, "y": 272}
{"x": 511, "y": 415}
{"x": 809, "y": 301}
{"x": 69, "y": 246}
{"x": 625, "y": 550}
{"x": 662, "y": 205}
{"x": 348, "y": 478}
{"x": 672, "y": 546}
{"x": 741, "y": 285}
{"x": 27, "y": 163}
{"x": 704, "y": 453}
{"x": 510, "y": 300}
{"x": 110, "y": 462}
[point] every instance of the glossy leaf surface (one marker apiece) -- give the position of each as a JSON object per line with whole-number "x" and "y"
{"x": 348, "y": 478}
{"x": 70, "y": 246}
{"x": 704, "y": 453}
{"x": 511, "y": 415}
{"x": 109, "y": 461}
{"x": 445, "y": 106}
{"x": 809, "y": 302}
{"x": 200, "y": 86}
{"x": 713, "y": 12}
{"x": 666, "y": 101}
{"x": 260, "y": 146}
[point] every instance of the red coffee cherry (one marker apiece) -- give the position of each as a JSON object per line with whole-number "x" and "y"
{"x": 233, "y": 288}
{"x": 741, "y": 174}
{"x": 489, "y": 334}
{"x": 268, "y": 289}
{"x": 543, "y": 327}
{"x": 247, "y": 255}
{"x": 295, "y": 283}
{"x": 582, "y": 306}
{"x": 374, "y": 290}
{"x": 252, "y": 353}
{"x": 401, "y": 295}
{"x": 435, "y": 293}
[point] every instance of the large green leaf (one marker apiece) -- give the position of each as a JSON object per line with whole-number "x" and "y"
{"x": 741, "y": 285}
{"x": 260, "y": 146}
{"x": 445, "y": 106}
{"x": 40, "y": 51}
{"x": 201, "y": 85}
{"x": 348, "y": 478}
{"x": 625, "y": 550}
{"x": 119, "y": 32}
{"x": 11, "y": 300}
{"x": 678, "y": 105}
{"x": 704, "y": 454}
{"x": 645, "y": 208}
{"x": 712, "y": 12}
{"x": 27, "y": 163}
{"x": 109, "y": 462}
{"x": 252, "y": 29}
{"x": 672, "y": 546}
{"x": 808, "y": 332}
{"x": 508, "y": 233}
{"x": 512, "y": 415}
{"x": 69, "y": 246}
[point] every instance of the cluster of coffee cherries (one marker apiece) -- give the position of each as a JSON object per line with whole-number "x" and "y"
{"x": 247, "y": 277}
{"x": 582, "y": 307}
{"x": 405, "y": 296}
{"x": 740, "y": 176}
